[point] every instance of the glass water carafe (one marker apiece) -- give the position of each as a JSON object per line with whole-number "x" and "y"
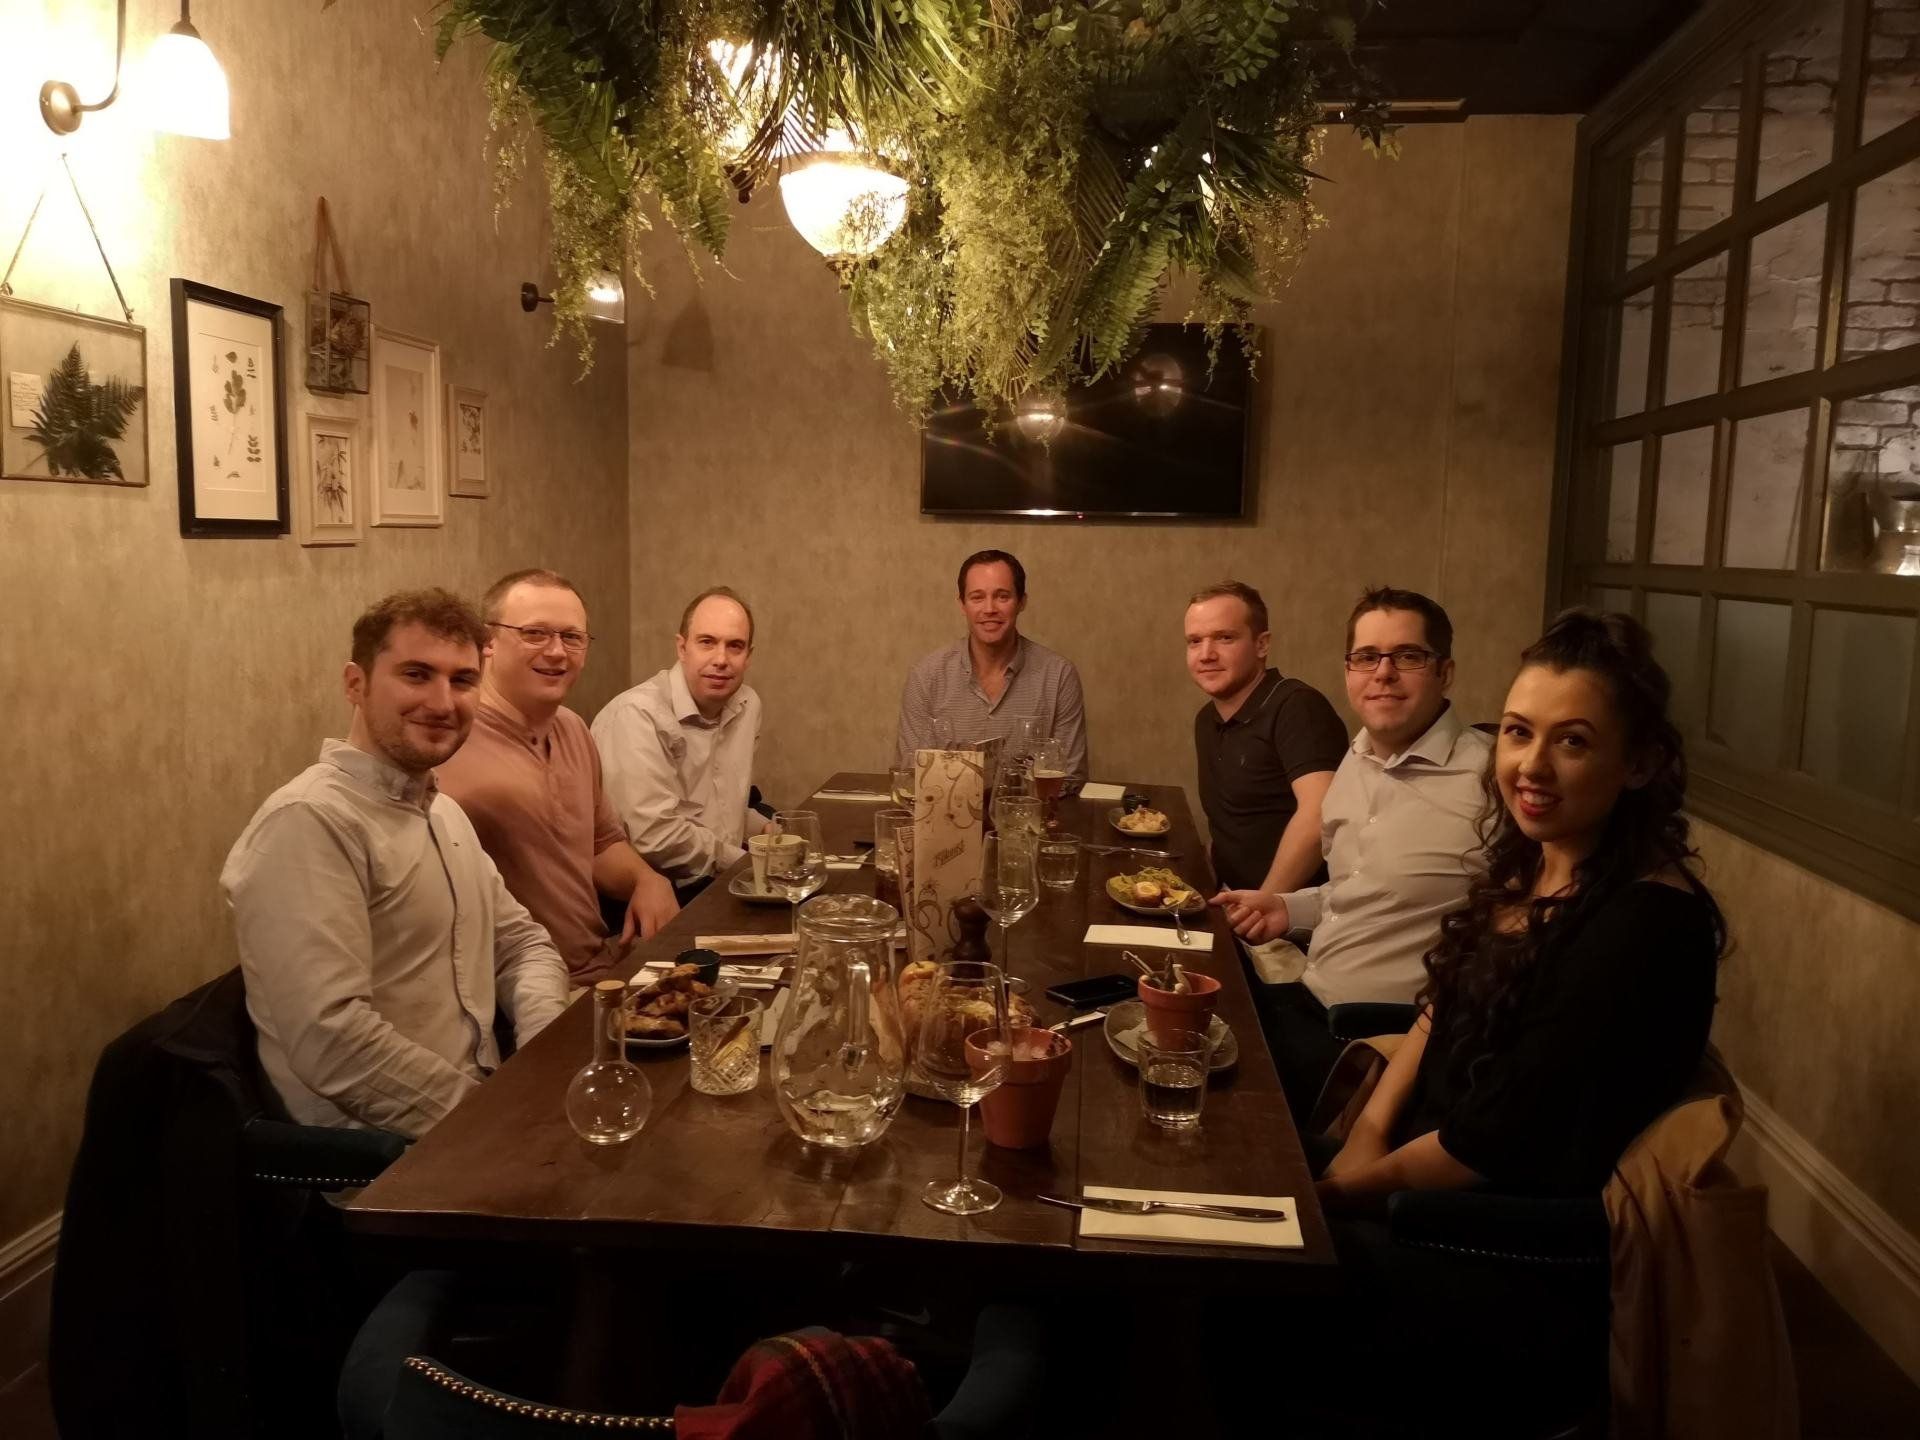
{"x": 839, "y": 1071}
{"x": 609, "y": 1100}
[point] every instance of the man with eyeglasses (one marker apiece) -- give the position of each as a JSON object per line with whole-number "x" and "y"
{"x": 529, "y": 779}
{"x": 678, "y": 748}
{"x": 1398, "y": 829}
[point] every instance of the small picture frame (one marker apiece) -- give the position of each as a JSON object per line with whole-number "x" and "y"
{"x": 409, "y": 433}
{"x": 467, "y": 442}
{"x": 230, "y": 406}
{"x": 75, "y": 403}
{"x": 330, "y": 501}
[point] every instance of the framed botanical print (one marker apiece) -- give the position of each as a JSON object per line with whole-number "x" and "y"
{"x": 75, "y": 403}
{"x": 330, "y": 500}
{"x": 467, "y": 441}
{"x": 230, "y": 406}
{"x": 408, "y": 433}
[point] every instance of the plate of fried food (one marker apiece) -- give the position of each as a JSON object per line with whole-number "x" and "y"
{"x": 1144, "y": 821}
{"x": 1155, "y": 891}
{"x": 656, "y": 1015}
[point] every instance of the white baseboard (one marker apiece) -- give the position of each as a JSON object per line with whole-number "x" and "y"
{"x": 26, "y": 1286}
{"x": 1866, "y": 1261}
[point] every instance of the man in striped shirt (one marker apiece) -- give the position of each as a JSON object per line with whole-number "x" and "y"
{"x": 978, "y": 687}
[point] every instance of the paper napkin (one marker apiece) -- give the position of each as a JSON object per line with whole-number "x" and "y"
{"x": 1158, "y": 937}
{"x": 1097, "y": 791}
{"x": 853, "y": 797}
{"x": 1192, "y": 1229}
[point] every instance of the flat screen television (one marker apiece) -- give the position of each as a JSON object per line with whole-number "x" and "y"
{"x": 1161, "y": 439}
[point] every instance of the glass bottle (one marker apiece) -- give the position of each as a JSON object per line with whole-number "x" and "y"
{"x": 609, "y": 1100}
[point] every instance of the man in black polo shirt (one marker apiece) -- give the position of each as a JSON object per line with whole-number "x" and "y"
{"x": 1267, "y": 746}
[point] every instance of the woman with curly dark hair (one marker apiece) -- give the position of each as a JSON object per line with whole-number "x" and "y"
{"x": 1567, "y": 1003}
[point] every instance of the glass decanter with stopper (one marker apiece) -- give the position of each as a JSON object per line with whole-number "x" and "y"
{"x": 610, "y": 1099}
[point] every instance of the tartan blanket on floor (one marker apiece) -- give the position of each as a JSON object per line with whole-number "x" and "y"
{"x": 813, "y": 1384}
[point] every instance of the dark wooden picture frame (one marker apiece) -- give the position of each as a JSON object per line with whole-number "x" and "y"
{"x": 247, "y": 393}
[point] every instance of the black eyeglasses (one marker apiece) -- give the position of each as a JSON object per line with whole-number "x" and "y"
{"x": 538, "y": 637}
{"x": 1407, "y": 657}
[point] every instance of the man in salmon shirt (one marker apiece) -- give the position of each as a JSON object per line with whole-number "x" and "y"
{"x": 529, "y": 779}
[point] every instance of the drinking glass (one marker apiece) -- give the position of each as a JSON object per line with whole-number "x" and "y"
{"x": 1008, "y": 888}
{"x": 1050, "y": 778}
{"x": 901, "y": 782}
{"x": 725, "y": 1031}
{"x": 1029, "y": 733}
{"x": 886, "y": 864}
{"x": 940, "y": 733}
{"x": 962, "y": 999}
{"x": 797, "y": 860}
{"x": 1014, "y": 805}
{"x": 1173, "y": 1076}
{"x": 1059, "y": 863}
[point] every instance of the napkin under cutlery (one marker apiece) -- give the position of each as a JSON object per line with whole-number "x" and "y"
{"x": 1182, "y": 1228}
{"x": 1101, "y": 791}
{"x": 1156, "y": 936}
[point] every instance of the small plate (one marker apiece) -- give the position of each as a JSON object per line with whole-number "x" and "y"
{"x": 741, "y": 888}
{"x": 1127, "y": 1019}
{"x": 1199, "y": 904}
{"x": 645, "y": 1042}
{"x": 1113, "y": 819}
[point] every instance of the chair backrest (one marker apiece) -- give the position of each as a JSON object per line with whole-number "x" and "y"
{"x": 431, "y": 1402}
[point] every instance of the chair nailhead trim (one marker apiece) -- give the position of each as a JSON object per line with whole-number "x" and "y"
{"x": 526, "y": 1409}
{"x": 1506, "y": 1254}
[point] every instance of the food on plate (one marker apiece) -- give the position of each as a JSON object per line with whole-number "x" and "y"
{"x": 913, "y": 983}
{"x": 1155, "y": 889}
{"x": 659, "y": 1011}
{"x": 1144, "y": 821}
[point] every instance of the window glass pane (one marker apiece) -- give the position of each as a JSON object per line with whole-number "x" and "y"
{"x": 1633, "y": 337}
{"x": 1802, "y": 73}
{"x": 1680, "y": 499}
{"x": 1707, "y": 159}
{"x": 1883, "y": 275}
{"x": 1695, "y": 318}
{"x": 1763, "y": 490}
{"x": 1860, "y": 680}
{"x": 1893, "y": 67}
{"x": 1783, "y": 297}
{"x": 1749, "y": 677}
{"x": 1603, "y": 597}
{"x": 1643, "y": 202}
{"x": 1622, "y": 488}
{"x": 1873, "y": 484}
{"x": 1674, "y": 622}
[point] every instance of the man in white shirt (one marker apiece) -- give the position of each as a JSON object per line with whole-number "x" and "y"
{"x": 676, "y": 751}
{"x": 375, "y": 935}
{"x": 1398, "y": 830}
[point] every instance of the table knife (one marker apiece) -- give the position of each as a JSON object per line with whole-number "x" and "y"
{"x": 1130, "y": 850}
{"x": 1168, "y": 1207}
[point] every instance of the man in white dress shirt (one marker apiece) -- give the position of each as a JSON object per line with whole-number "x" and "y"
{"x": 676, "y": 751}
{"x": 1398, "y": 828}
{"x": 375, "y": 935}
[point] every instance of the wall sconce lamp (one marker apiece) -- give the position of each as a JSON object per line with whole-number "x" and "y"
{"x": 183, "y": 88}
{"x": 606, "y": 298}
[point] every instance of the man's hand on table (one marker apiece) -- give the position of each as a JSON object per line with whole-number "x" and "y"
{"x": 1255, "y": 916}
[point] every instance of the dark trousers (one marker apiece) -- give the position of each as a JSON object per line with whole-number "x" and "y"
{"x": 1304, "y": 1049}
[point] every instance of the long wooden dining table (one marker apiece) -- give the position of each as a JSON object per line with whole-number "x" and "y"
{"x": 726, "y": 1173}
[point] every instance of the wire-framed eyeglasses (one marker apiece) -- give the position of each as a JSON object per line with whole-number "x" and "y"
{"x": 538, "y": 637}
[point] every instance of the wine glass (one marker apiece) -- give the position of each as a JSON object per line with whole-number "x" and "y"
{"x": 1029, "y": 733}
{"x": 797, "y": 859}
{"x": 1014, "y": 798}
{"x": 1008, "y": 889}
{"x": 962, "y": 1000}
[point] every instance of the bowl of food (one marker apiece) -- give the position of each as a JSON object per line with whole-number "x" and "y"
{"x": 655, "y": 1015}
{"x": 1144, "y": 821}
{"x": 1155, "y": 891}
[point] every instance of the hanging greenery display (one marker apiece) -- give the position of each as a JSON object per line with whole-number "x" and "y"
{"x": 1061, "y": 161}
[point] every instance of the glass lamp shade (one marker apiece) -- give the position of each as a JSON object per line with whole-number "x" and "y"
{"x": 1040, "y": 417}
{"x": 842, "y": 203}
{"x": 184, "y": 90}
{"x": 607, "y": 298}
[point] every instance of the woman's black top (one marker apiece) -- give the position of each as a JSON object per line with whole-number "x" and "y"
{"x": 1609, "y": 1030}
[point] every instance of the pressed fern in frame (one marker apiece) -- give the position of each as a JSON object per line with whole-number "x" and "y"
{"x": 74, "y": 407}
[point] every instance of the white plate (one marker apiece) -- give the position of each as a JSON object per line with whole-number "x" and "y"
{"x": 741, "y": 887}
{"x": 643, "y": 1042}
{"x": 1127, "y": 1019}
{"x": 1113, "y": 819}
{"x": 1199, "y": 904}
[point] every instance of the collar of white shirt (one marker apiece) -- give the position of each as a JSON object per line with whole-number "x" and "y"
{"x": 689, "y": 713}
{"x": 1435, "y": 746}
{"x": 378, "y": 773}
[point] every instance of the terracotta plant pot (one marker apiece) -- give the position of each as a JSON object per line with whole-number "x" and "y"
{"x": 1019, "y": 1114}
{"x": 1169, "y": 1012}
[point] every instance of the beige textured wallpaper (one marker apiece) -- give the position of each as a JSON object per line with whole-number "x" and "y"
{"x": 1406, "y": 418}
{"x": 157, "y": 688}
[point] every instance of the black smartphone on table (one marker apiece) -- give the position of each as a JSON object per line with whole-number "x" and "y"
{"x": 1088, "y": 994}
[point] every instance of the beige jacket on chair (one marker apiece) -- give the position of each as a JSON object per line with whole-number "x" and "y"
{"x": 1698, "y": 1341}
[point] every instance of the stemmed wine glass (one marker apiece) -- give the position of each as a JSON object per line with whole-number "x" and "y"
{"x": 797, "y": 859}
{"x": 1009, "y": 888}
{"x": 962, "y": 1001}
{"x": 1015, "y": 805}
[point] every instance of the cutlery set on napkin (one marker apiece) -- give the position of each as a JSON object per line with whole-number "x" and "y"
{"x": 1109, "y": 1212}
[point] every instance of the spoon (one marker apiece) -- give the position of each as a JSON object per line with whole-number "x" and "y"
{"x": 1179, "y": 929}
